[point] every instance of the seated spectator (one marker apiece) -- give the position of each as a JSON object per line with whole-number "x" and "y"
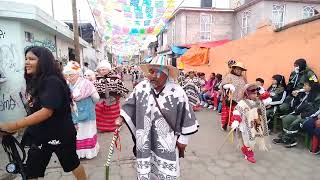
{"x": 278, "y": 93}
{"x": 206, "y": 90}
{"x": 305, "y": 104}
{"x": 298, "y": 77}
{"x": 312, "y": 127}
{"x": 260, "y": 82}
{"x": 200, "y": 80}
{"x": 215, "y": 95}
{"x": 263, "y": 95}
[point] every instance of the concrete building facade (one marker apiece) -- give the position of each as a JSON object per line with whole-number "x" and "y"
{"x": 22, "y": 26}
{"x": 248, "y": 15}
{"x": 191, "y": 25}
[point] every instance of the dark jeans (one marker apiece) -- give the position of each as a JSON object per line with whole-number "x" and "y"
{"x": 204, "y": 97}
{"x": 310, "y": 127}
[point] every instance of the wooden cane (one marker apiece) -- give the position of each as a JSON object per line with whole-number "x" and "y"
{"x": 225, "y": 140}
{"x": 111, "y": 150}
{"x": 230, "y": 106}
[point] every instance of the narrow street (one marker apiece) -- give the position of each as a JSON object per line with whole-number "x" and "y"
{"x": 217, "y": 50}
{"x": 202, "y": 159}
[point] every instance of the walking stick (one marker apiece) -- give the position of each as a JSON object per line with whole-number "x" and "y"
{"x": 111, "y": 150}
{"x": 225, "y": 140}
{"x": 229, "y": 117}
{"x": 230, "y": 106}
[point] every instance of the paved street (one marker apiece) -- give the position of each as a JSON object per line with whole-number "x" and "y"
{"x": 202, "y": 159}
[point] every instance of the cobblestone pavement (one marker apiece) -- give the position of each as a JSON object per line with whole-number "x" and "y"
{"x": 202, "y": 160}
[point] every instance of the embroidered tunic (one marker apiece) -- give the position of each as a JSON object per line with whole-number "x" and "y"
{"x": 157, "y": 155}
{"x": 192, "y": 90}
{"x": 253, "y": 122}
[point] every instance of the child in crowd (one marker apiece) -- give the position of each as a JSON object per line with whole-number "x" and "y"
{"x": 250, "y": 117}
{"x": 262, "y": 93}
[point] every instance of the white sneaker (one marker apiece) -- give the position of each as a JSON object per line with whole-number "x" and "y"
{"x": 205, "y": 105}
{"x": 201, "y": 103}
{"x": 210, "y": 107}
{"x": 214, "y": 108}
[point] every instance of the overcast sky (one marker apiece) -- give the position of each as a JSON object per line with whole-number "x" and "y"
{"x": 63, "y": 11}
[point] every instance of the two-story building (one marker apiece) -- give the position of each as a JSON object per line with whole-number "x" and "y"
{"x": 191, "y": 25}
{"x": 205, "y": 22}
{"x": 249, "y": 13}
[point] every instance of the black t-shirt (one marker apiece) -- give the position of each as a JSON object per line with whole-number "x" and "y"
{"x": 53, "y": 95}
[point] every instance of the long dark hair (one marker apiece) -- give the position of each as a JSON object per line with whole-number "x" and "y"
{"x": 281, "y": 81}
{"x": 46, "y": 67}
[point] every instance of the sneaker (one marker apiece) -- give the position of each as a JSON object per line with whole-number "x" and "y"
{"x": 205, "y": 105}
{"x": 214, "y": 108}
{"x": 210, "y": 107}
{"x": 290, "y": 143}
{"x": 316, "y": 153}
{"x": 250, "y": 157}
{"x": 277, "y": 141}
{"x": 201, "y": 103}
{"x": 248, "y": 154}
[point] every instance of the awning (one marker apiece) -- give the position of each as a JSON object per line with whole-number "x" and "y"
{"x": 148, "y": 59}
{"x": 196, "y": 56}
{"x": 178, "y": 50}
{"x": 206, "y": 44}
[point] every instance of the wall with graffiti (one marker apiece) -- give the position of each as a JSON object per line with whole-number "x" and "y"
{"x": 12, "y": 69}
{"x": 36, "y": 37}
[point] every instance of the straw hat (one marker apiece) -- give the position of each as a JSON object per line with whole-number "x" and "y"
{"x": 240, "y": 65}
{"x": 161, "y": 61}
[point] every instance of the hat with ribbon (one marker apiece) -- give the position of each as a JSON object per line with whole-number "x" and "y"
{"x": 162, "y": 63}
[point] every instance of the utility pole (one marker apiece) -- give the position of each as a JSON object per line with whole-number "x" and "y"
{"x": 55, "y": 36}
{"x": 75, "y": 31}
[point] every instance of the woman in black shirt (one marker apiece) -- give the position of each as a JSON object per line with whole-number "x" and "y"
{"x": 49, "y": 124}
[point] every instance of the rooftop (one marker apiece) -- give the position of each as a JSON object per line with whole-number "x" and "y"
{"x": 253, "y": 2}
{"x": 35, "y": 17}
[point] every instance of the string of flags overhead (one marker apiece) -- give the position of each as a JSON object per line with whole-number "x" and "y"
{"x": 128, "y": 24}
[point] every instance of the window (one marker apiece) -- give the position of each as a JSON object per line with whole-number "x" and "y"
{"x": 28, "y": 36}
{"x": 173, "y": 35}
{"x": 205, "y": 27}
{"x": 206, "y": 3}
{"x": 160, "y": 39}
{"x": 278, "y": 13}
{"x": 245, "y": 23}
{"x": 308, "y": 11}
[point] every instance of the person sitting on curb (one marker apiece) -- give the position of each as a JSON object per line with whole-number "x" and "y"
{"x": 305, "y": 104}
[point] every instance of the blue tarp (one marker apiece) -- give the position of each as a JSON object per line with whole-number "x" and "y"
{"x": 148, "y": 59}
{"x": 178, "y": 50}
